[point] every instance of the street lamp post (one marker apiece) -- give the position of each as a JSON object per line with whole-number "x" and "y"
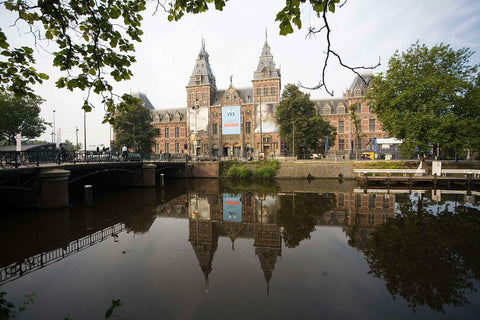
{"x": 195, "y": 109}
{"x": 53, "y": 134}
{"x": 76, "y": 135}
{"x": 85, "y": 132}
{"x": 293, "y": 138}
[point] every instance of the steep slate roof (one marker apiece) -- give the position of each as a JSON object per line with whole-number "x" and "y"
{"x": 143, "y": 97}
{"x": 333, "y": 103}
{"x": 266, "y": 60}
{"x": 202, "y": 68}
{"x": 360, "y": 83}
{"x": 163, "y": 112}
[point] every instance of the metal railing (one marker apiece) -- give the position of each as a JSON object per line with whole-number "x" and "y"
{"x": 15, "y": 159}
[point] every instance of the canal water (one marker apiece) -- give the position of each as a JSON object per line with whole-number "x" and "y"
{"x": 201, "y": 249}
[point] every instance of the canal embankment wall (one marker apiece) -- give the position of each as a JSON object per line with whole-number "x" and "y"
{"x": 315, "y": 169}
{"x": 288, "y": 170}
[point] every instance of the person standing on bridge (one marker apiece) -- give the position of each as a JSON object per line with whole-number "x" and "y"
{"x": 124, "y": 152}
{"x": 63, "y": 152}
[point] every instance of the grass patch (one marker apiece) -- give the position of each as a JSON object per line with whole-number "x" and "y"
{"x": 235, "y": 169}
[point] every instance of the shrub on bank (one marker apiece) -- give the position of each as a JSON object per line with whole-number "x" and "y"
{"x": 265, "y": 172}
{"x": 257, "y": 169}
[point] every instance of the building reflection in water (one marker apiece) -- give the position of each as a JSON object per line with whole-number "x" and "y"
{"x": 373, "y": 222}
{"x": 234, "y": 216}
{"x": 263, "y": 218}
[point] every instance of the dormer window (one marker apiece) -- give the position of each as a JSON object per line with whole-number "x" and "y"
{"x": 198, "y": 78}
{"x": 358, "y": 92}
{"x": 266, "y": 73}
{"x": 167, "y": 117}
{"x": 326, "y": 110}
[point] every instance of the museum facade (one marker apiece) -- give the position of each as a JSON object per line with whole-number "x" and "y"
{"x": 239, "y": 122}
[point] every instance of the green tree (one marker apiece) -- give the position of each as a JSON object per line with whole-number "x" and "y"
{"x": 20, "y": 115}
{"x": 95, "y": 41}
{"x": 429, "y": 96}
{"x": 357, "y": 127}
{"x": 300, "y": 126}
{"x": 135, "y": 130}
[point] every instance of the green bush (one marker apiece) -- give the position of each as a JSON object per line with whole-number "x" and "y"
{"x": 245, "y": 172}
{"x": 233, "y": 172}
{"x": 265, "y": 172}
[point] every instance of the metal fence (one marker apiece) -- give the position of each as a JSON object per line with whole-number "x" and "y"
{"x": 15, "y": 159}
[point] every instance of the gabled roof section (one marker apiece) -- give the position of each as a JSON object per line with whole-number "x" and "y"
{"x": 202, "y": 72}
{"x": 143, "y": 98}
{"x": 171, "y": 115}
{"x": 266, "y": 66}
{"x": 245, "y": 94}
{"x": 359, "y": 86}
{"x": 334, "y": 105}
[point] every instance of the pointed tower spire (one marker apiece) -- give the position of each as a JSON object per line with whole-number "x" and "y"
{"x": 266, "y": 66}
{"x": 202, "y": 72}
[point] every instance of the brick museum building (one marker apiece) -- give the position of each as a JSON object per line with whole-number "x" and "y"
{"x": 239, "y": 122}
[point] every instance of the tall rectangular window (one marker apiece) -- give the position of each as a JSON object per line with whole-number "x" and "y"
{"x": 341, "y": 144}
{"x": 177, "y": 147}
{"x": 341, "y": 126}
{"x": 177, "y": 132}
{"x": 191, "y": 96}
{"x": 204, "y": 95}
{"x": 215, "y": 128}
{"x": 359, "y": 108}
{"x": 167, "y": 132}
{"x": 248, "y": 127}
{"x": 273, "y": 90}
{"x": 371, "y": 125}
{"x": 259, "y": 91}
{"x": 167, "y": 147}
{"x": 265, "y": 90}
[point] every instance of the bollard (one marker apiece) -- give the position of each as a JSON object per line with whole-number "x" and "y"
{"x": 162, "y": 180}
{"x": 88, "y": 194}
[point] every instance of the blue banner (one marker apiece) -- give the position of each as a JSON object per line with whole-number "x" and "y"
{"x": 232, "y": 207}
{"x": 374, "y": 144}
{"x": 326, "y": 145}
{"x": 231, "y": 120}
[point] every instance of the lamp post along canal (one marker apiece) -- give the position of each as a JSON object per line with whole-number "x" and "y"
{"x": 195, "y": 109}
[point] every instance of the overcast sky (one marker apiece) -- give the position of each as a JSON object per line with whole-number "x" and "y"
{"x": 362, "y": 32}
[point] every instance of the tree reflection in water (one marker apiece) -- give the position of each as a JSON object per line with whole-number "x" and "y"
{"x": 427, "y": 258}
{"x": 298, "y": 215}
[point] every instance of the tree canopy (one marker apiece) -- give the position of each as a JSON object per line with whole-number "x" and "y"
{"x": 300, "y": 127}
{"x": 429, "y": 97}
{"x": 95, "y": 42}
{"x": 20, "y": 115}
{"x": 135, "y": 130}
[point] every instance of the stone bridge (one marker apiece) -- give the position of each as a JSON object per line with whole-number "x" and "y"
{"x": 47, "y": 185}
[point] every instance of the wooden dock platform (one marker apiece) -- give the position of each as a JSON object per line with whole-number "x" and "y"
{"x": 427, "y": 180}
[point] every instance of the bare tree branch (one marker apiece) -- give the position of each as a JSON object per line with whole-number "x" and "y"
{"x": 312, "y": 31}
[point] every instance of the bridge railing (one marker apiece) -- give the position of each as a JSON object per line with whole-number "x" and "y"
{"x": 15, "y": 159}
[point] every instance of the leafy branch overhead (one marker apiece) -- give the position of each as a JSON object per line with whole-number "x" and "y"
{"x": 94, "y": 41}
